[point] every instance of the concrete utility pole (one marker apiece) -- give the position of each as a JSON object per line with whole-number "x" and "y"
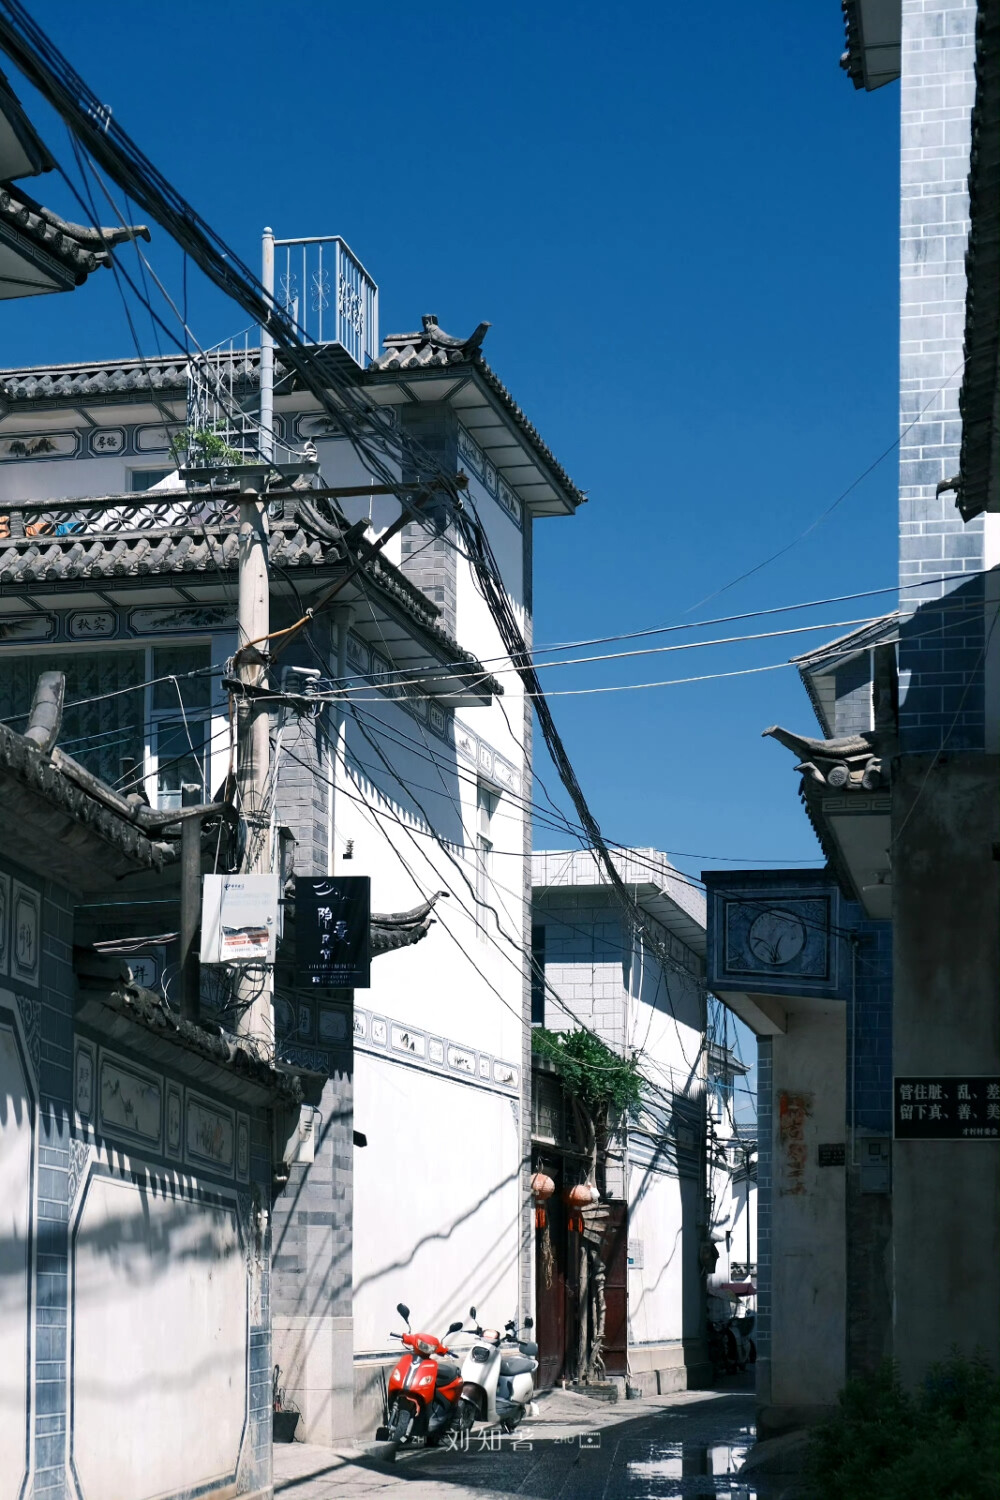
{"x": 254, "y": 989}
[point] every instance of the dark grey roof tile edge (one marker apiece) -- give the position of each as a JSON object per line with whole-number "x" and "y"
{"x": 432, "y": 350}
{"x": 212, "y": 550}
{"x": 35, "y": 771}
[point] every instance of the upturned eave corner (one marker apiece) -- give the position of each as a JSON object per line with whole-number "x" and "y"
{"x": 459, "y": 374}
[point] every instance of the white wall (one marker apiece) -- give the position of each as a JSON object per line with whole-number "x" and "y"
{"x": 159, "y": 1340}
{"x": 656, "y": 1289}
{"x": 437, "y": 1191}
{"x": 436, "y": 1202}
{"x": 807, "y": 1235}
{"x": 16, "y": 1171}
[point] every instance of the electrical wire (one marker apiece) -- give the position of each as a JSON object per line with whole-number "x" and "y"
{"x": 629, "y": 635}
{"x": 749, "y": 573}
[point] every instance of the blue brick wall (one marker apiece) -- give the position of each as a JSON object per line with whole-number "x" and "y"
{"x": 869, "y": 1022}
{"x": 941, "y": 648}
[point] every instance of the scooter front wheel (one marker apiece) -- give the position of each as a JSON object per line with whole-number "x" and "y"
{"x": 465, "y": 1416}
{"x": 399, "y": 1422}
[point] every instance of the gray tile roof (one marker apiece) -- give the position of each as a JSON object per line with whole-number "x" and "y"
{"x": 75, "y": 382}
{"x": 837, "y": 651}
{"x": 68, "y": 834}
{"x": 202, "y": 551}
{"x": 429, "y": 350}
{"x": 873, "y": 33}
{"x": 432, "y": 350}
{"x": 75, "y": 247}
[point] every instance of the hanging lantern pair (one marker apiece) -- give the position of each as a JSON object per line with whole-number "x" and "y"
{"x": 542, "y": 1188}
{"x": 576, "y": 1199}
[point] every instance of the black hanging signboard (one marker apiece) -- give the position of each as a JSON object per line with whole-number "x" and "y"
{"x": 333, "y": 931}
{"x": 947, "y": 1109}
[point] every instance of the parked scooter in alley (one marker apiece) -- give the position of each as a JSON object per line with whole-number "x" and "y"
{"x": 424, "y": 1388}
{"x": 730, "y": 1344}
{"x": 497, "y": 1387}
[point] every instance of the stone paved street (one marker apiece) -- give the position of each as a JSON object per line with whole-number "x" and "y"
{"x": 661, "y": 1448}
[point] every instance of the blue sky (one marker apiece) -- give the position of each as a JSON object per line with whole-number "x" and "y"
{"x": 681, "y": 222}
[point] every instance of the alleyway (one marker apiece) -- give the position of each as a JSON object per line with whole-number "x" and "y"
{"x": 662, "y": 1448}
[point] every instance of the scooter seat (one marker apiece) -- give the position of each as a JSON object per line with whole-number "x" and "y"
{"x": 447, "y": 1372}
{"x": 516, "y": 1364}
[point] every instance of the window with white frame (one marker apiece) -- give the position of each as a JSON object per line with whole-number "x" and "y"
{"x": 119, "y": 721}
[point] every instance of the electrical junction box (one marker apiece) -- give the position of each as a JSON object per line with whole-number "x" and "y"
{"x": 239, "y": 919}
{"x": 875, "y": 1161}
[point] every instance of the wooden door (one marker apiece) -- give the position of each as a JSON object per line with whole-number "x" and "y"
{"x": 614, "y": 1253}
{"x": 550, "y": 1288}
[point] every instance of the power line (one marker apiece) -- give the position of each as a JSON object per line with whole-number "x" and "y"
{"x": 966, "y": 609}
{"x": 833, "y": 506}
{"x": 753, "y": 614}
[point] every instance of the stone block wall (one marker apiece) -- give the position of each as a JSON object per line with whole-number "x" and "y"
{"x": 585, "y": 954}
{"x": 429, "y": 559}
{"x": 854, "y": 696}
{"x": 942, "y": 642}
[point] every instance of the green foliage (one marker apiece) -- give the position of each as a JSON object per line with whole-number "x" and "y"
{"x": 595, "y": 1075}
{"x": 888, "y": 1444}
{"x": 204, "y": 448}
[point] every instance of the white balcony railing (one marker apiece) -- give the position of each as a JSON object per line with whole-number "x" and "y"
{"x": 329, "y": 294}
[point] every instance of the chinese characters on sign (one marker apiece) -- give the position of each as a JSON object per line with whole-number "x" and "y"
{"x": 947, "y": 1109}
{"x": 332, "y": 931}
{"x": 832, "y": 1155}
{"x": 239, "y": 919}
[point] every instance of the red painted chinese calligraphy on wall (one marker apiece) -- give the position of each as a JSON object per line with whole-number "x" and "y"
{"x": 793, "y": 1111}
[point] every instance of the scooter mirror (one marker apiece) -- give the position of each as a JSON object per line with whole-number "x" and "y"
{"x": 454, "y": 1327}
{"x": 472, "y": 1313}
{"x": 529, "y": 1322}
{"x": 404, "y": 1311}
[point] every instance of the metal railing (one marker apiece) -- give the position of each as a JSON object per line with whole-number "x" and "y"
{"x": 151, "y": 510}
{"x": 323, "y": 286}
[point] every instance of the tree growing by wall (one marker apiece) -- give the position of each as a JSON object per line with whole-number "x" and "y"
{"x": 599, "y": 1086}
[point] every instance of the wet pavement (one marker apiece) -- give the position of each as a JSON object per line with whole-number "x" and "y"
{"x": 688, "y": 1446}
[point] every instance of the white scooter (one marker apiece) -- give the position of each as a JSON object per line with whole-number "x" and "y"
{"x": 497, "y": 1387}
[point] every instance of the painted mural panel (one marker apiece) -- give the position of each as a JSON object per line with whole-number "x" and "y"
{"x": 16, "y": 1164}
{"x": 130, "y": 1101}
{"x": 790, "y": 937}
{"x": 25, "y": 936}
{"x": 159, "y": 1339}
{"x": 210, "y": 1138}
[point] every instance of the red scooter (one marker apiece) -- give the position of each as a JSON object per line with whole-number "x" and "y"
{"x": 423, "y": 1388}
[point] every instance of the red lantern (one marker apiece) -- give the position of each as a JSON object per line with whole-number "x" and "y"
{"x": 577, "y": 1198}
{"x": 542, "y": 1188}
